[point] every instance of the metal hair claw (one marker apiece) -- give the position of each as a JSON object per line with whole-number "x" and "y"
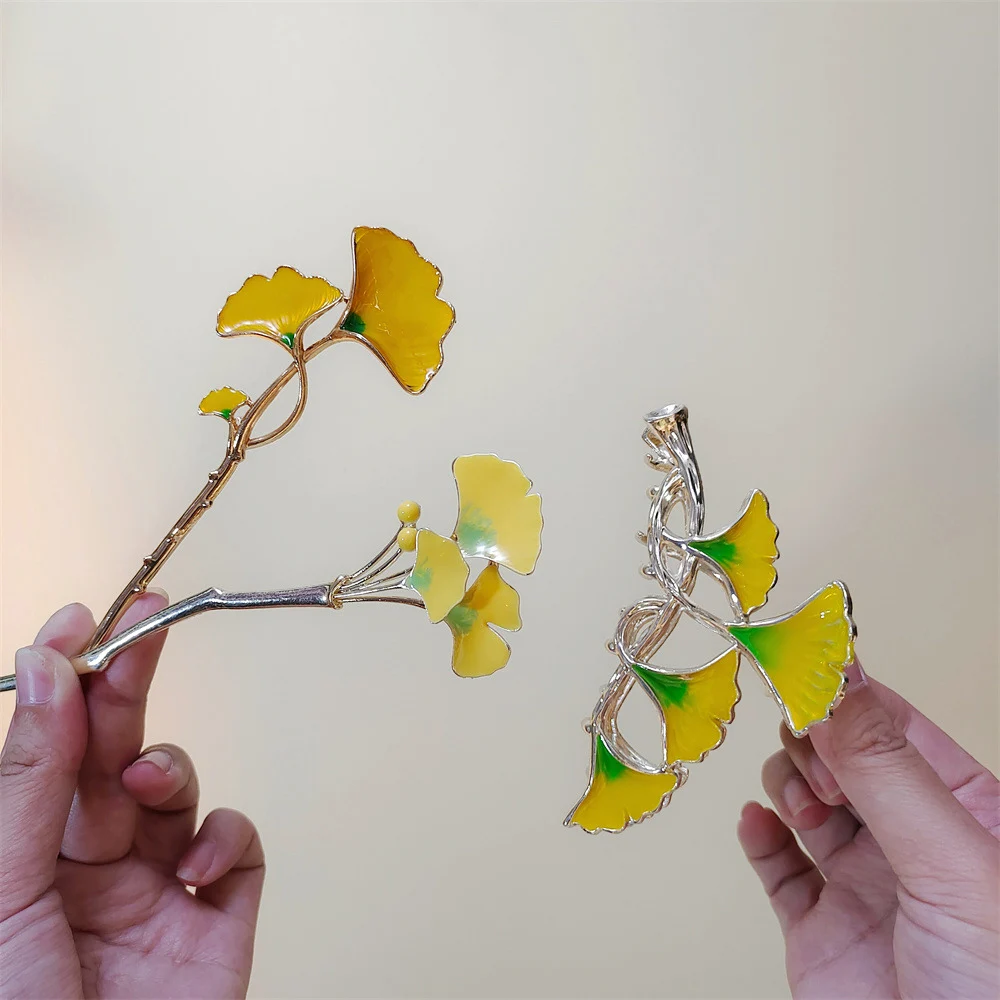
{"x": 394, "y": 310}
{"x": 801, "y": 657}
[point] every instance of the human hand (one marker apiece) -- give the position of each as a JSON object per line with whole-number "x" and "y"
{"x": 896, "y": 893}
{"x": 97, "y": 847}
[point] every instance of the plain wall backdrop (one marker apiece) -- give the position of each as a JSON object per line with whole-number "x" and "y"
{"x": 782, "y": 215}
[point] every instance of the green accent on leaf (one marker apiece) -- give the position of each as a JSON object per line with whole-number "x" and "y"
{"x": 461, "y": 618}
{"x": 353, "y": 323}
{"x": 763, "y": 641}
{"x": 721, "y": 549}
{"x": 607, "y": 763}
{"x": 289, "y": 340}
{"x": 225, "y": 414}
{"x": 670, "y": 690}
{"x": 475, "y": 533}
{"x": 420, "y": 578}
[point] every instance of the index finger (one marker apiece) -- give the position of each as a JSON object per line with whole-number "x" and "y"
{"x": 41, "y": 754}
{"x": 928, "y": 837}
{"x": 102, "y": 822}
{"x": 973, "y": 784}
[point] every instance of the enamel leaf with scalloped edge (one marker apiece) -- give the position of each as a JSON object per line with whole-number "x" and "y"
{"x": 439, "y": 573}
{"x": 618, "y": 795}
{"x": 696, "y": 707}
{"x": 497, "y": 518}
{"x": 395, "y": 309}
{"x": 804, "y": 654}
{"x": 478, "y": 650}
{"x": 278, "y": 307}
{"x": 222, "y": 402}
{"x": 745, "y": 552}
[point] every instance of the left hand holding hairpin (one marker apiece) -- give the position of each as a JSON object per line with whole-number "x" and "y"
{"x": 98, "y": 844}
{"x": 93, "y": 899}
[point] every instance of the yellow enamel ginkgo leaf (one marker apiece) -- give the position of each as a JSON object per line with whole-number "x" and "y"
{"x": 222, "y": 402}
{"x": 439, "y": 574}
{"x": 617, "y": 795}
{"x": 497, "y": 518}
{"x": 394, "y": 308}
{"x": 277, "y": 307}
{"x": 478, "y": 650}
{"x": 745, "y": 552}
{"x": 696, "y": 707}
{"x": 803, "y": 655}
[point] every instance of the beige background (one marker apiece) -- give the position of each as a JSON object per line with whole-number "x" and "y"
{"x": 782, "y": 215}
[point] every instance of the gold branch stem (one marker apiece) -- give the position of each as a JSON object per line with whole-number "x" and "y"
{"x": 299, "y": 368}
{"x": 152, "y": 563}
{"x": 236, "y": 450}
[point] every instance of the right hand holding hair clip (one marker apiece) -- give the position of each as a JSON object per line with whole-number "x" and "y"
{"x": 801, "y": 656}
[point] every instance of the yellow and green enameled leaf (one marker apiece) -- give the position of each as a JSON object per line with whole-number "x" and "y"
{"x": 696, "y": 707}
{"x": 804, "y": 654}
{"x": 619, "y": 796}
{"x": 278, "y": 307}
{"x": 746, "y": 552}
{"x": 222, "y": 402}
{"x": 478, "y": 650}
{"x": 497, "y": 518}
{"x": 439, "y": 573}
{"x": 395, "y": 309}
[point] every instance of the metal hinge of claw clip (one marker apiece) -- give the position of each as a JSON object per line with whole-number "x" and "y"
{"x": 801, "y": 656}
{"x": 394, "y": 310}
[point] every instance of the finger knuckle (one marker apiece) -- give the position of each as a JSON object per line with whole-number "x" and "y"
{"x": 873, "y": 735}
{"x": 114, "y": 694}
{"x": 22, "y": 756}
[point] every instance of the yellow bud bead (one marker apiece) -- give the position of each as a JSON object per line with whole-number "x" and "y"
{"x": 409, "y": 512}
{"x": 407, "y": 539}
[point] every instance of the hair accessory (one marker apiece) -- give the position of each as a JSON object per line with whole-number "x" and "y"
{"x": 395, "y": 311}
{"x": 800, "y": 656}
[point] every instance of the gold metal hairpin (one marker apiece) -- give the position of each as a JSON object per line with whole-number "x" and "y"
{"x": 395, "y": 311}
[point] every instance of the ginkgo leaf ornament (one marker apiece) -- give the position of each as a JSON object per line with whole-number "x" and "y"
{"x": 802, "y": 657}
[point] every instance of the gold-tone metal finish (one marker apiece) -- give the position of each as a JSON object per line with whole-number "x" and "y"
{"x": 393, "y": 308}
{"x": 240, "y": 441}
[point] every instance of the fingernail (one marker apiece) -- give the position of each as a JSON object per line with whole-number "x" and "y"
{"x": 160, "y": 759}
{"x": 36, "y": 677}
{"x": 798, "y": 795}
{"x": 856, "y": 676}
{"x": 824, "y": 779}
{"x": 160, "y": 591}
{"x": 195, "y": 865}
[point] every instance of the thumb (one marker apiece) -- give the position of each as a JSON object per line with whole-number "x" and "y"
{"x": 38, "y": 769}
{"x": 927, "y": 836}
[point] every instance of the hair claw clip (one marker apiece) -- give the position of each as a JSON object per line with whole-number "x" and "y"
{"x": 800, "y": 656}
{"x": 395, "y": 311}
